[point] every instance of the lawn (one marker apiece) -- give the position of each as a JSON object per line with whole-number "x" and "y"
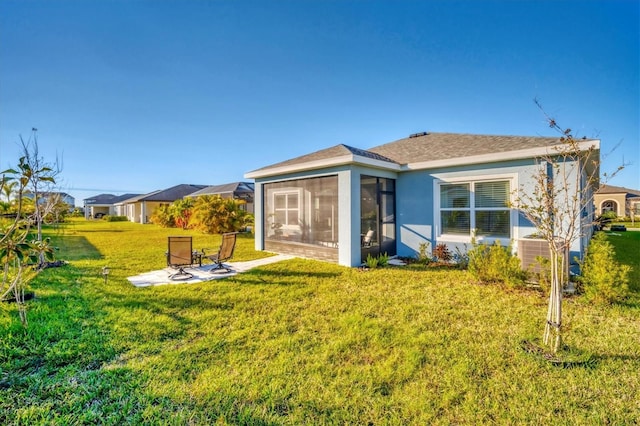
{"x": 300, "y": 342}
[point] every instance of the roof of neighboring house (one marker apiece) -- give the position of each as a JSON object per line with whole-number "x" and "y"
{"x": 610, "y": 189}
{"x": 168, "y": 195}
{"x": 107, "y": 199}
{"x": 100, "y": 199}
{"x": 421, "y": 150}
{"x": 227, "y": 188}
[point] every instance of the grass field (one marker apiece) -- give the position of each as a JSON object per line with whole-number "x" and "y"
{"x": 301, "y": 342}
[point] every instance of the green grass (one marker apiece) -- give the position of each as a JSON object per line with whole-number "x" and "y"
{"x": 299, "y": 342}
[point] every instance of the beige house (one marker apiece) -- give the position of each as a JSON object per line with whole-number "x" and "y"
{"x": 622, "y": 201}
{"x": 139, "y": 209}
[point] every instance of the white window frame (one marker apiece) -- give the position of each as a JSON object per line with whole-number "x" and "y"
{"x": 472, "y": 180}
{"x": 287, "y": 209}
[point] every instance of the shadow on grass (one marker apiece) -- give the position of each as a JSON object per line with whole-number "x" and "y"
{"x": 75, "y": 248}
{"x": 260, "y": 276}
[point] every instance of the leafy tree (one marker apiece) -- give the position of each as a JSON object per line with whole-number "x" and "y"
{"x": 181, "y": 212}
{"x": 163, "y": 216}
{"x": 18, "y": 251}
{"x": 216, "y": 215}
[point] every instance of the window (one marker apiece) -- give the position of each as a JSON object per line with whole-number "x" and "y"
{"x": 286, "y": 208}
{"x": 479, "y": 206}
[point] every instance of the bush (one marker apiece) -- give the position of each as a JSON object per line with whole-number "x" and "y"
{"x": 603, "y": 279}
{"x": 495, "y": 264}
{"x": 442, "y": 253}
{"x": 109, "y": 218}
{"x": 422, "y": 256}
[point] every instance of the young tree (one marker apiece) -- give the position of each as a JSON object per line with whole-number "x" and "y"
{"x": 40, "y": 175}
{"x": 17, "y": 250}
{"x": 561, "y": 208}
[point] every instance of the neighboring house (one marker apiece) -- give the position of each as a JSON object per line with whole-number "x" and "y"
{"x": 622, "y": 201}
{"x": 104, "y": 204}
{"x": 236, "y": 190}
{"x": 140, "y": 208}
{"x": 44, "y": 197}
{"x": 342, "y": 203}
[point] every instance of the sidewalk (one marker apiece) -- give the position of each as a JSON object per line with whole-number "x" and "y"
{"x": 201, "y": 273}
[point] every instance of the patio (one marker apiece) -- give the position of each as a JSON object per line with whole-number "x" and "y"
{"x": 201, "y": 273}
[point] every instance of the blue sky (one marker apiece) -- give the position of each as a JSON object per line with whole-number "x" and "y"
{"x": 142, "y": 95}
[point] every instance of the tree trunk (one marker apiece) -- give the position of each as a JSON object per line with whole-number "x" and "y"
{"x": 553, "y": 329}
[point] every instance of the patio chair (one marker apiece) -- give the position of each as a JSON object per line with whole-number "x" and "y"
{"x": 179, "y": 255}
{"x": 224, "y": 253}
{"x": 366, "y": 240}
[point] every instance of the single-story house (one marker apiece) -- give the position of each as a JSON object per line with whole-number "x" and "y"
{"x": 342, "y": 203}
{"x": 140, "y": 208}
{"x": 236, "y": 190}
{"x": 45, "y": 197}
{"x": 104, "y": 204}
{"x": 622, "y": 201}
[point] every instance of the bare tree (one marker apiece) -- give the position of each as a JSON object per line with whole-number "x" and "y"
{"x": 561, "y": 208}
{"x": 41, "y": 177}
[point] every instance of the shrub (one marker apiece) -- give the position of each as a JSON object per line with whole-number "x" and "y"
{"x": 163, "y": 216}
{"x": 109, "y": 218}
{"x": 442, "y": 253}
{"x": 611, "y": 215}
{"x": 495, "y": 264}
{"x": 371, "y": 262}
{"x": 423, "y": 256}
{"x": 383, "y": 259}
{"x": 603, "y": 279}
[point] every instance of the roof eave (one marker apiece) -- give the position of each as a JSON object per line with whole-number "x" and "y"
{"x": 497, "y": 157}
{"x": 323, "y": 164}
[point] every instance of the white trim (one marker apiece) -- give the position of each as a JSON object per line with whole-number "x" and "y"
{"x": 443, "y": 178}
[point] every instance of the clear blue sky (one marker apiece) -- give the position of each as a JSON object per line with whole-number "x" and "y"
{"x": 143, "y": 95}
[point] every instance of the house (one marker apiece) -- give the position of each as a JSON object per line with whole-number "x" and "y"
{"x": 104, "y": 204}
{"x": 46, "y": 197}
{"x": 622, "y": 201}
{"x": 342, "y": 203}
{"x": 236, "y": 190}
{"x": 140, "y": 208}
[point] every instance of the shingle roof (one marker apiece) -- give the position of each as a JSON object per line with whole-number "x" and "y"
{"x": 328, "y": 153}
{"x": 234, "y": 187}
{"x": 168, "y": 195}
{"x": 442, "y": 146}
{"x": 610, "y": 189}
{"x": 100, "y": 199}
{"x": 423, "y": 147}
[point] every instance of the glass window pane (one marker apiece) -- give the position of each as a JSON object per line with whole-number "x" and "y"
{"x": 456, "y": 222}
{"x": 492, "y": 194}
{"x": 454, "y": 196}
{"x": 292, "y": 217}
{"x": 280, "y": 201}
{"x": 292, "y": 202}
{"x": 493, "y": 223}
{"x": 279, "y": 217}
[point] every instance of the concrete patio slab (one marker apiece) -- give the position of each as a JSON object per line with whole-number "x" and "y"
{"x": 202, "y": 273}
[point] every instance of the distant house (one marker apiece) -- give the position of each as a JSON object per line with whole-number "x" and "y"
{"x": 342, "y": 203}
{"x": 104, "y": 204}
{"x": 236, "y": 190}
{"x": 622, "y": 201}
{"x": 45, "y": 197}
{"x": 140, "y": 208}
